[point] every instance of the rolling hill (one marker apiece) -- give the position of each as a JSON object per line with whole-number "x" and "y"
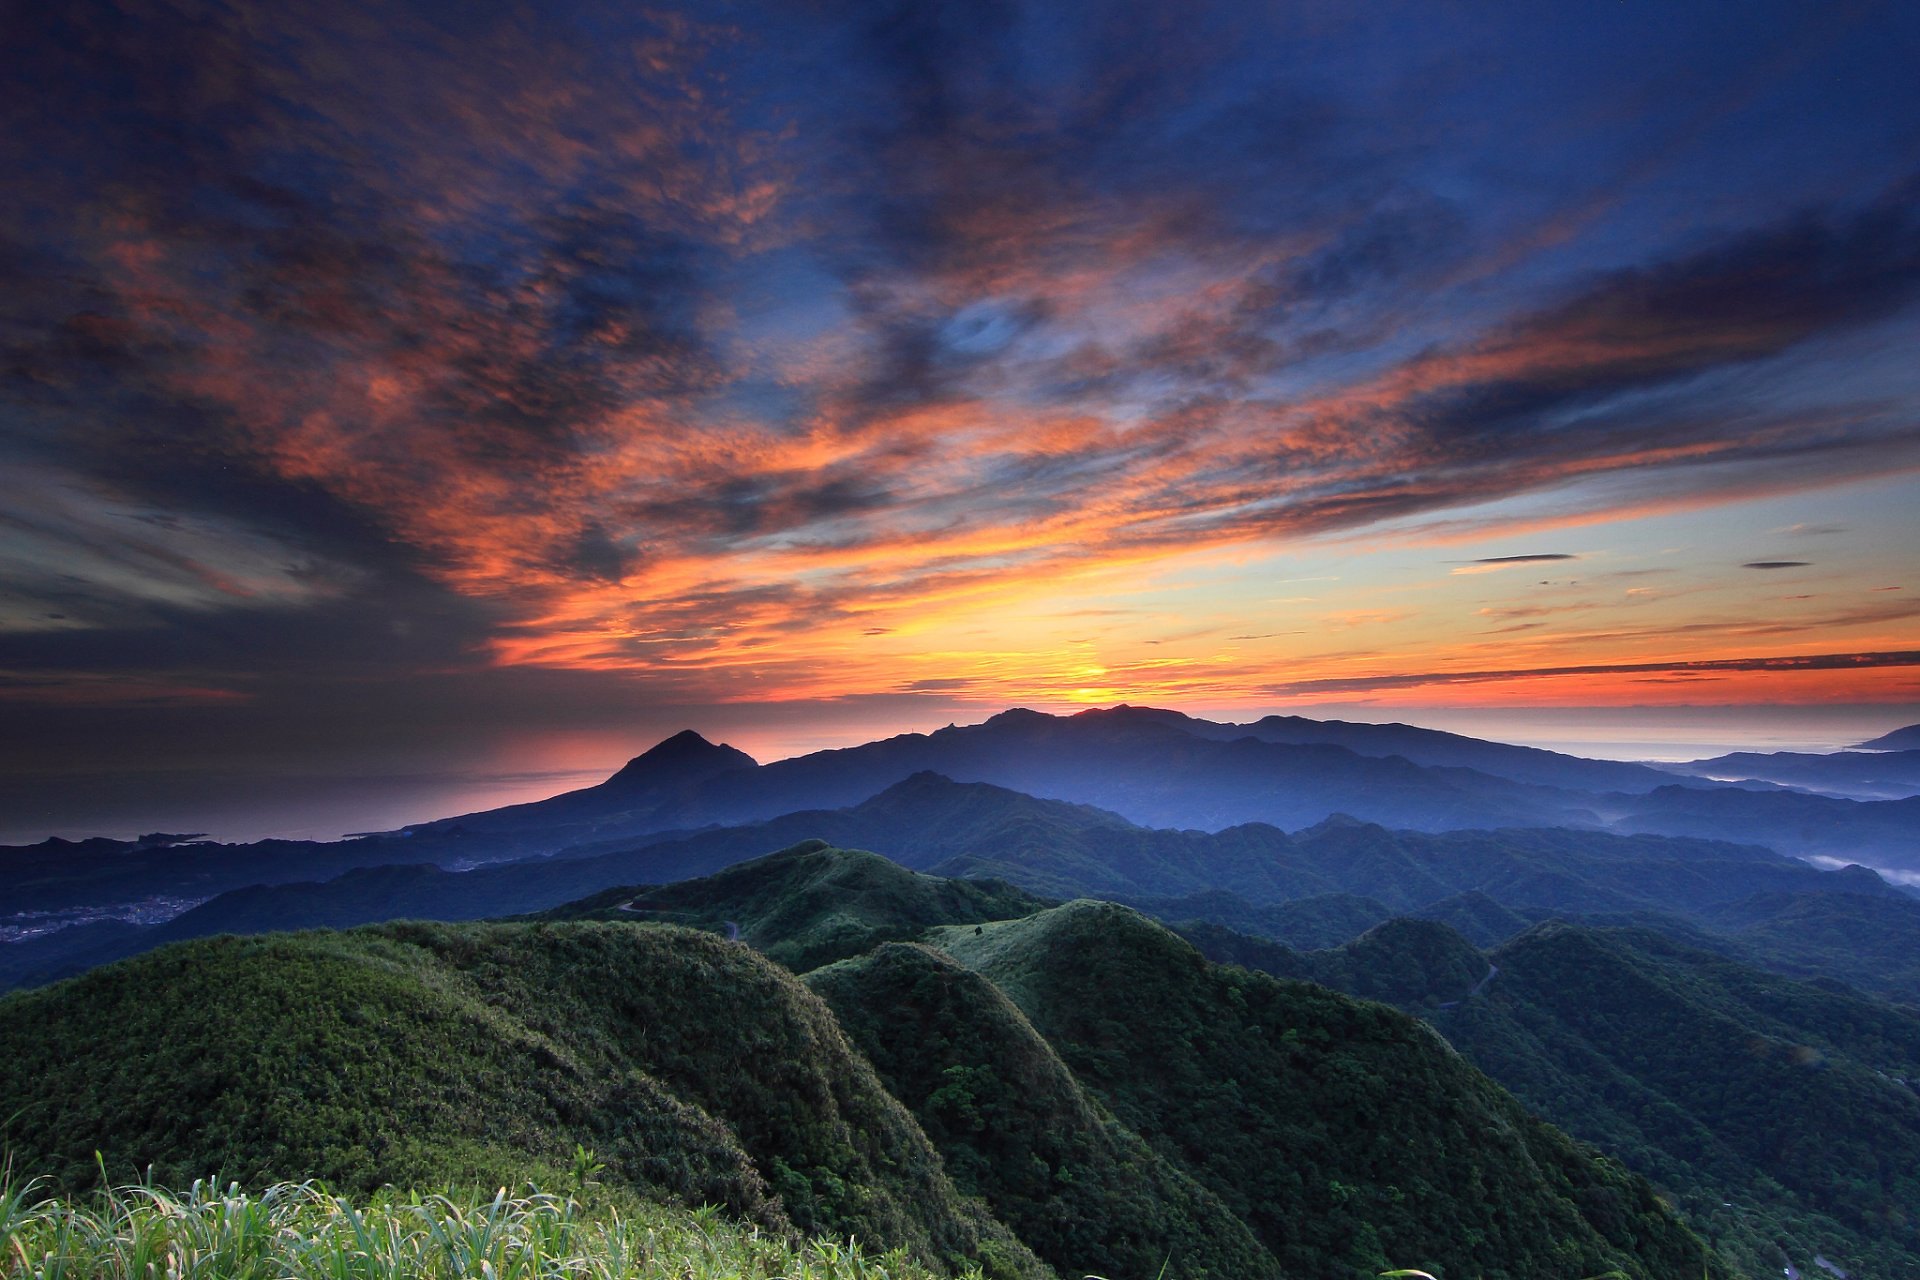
{"x": 1397, "y": 1152}
{"x": 482, "y": 1054}
{"x": 1784, "y": 1112}
{"x": 1304, "y": 1134}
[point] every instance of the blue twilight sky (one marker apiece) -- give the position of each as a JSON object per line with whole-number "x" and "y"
{"x": 465, "y": 395}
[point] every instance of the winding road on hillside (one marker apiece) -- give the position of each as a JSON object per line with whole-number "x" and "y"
{"x": 733, "y": 927}
{"x": 1493, "y": 971}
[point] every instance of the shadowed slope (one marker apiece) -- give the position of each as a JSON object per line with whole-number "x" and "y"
{"x": 418, "y": 1054}
{"x": 1395, "y": 1151}
{"x": 1017, "y": 1128}
{"x": 1796, "y": 1101}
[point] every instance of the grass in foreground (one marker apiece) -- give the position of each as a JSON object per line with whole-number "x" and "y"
{"x": 297, "y": 1231}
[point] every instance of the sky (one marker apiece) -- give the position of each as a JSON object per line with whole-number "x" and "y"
{"x": 411, "y": 403}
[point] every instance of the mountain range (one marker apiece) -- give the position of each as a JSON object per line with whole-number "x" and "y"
{"x": 973, "y": 1097}
{"x": 1679, "y": 971}
{"x": 1851, "y": 924}
{"x": 1151, "y": 767}
{"x": 1782, "y": 1115}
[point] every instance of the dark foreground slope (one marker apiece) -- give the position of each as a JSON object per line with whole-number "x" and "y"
{"x": 421, "y": 1054}
{"x": 1345, "y": 1134}
{"x": 1017, "y": 1128}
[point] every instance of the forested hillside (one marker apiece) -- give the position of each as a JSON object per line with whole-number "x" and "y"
{"x": 966, "y": 1104}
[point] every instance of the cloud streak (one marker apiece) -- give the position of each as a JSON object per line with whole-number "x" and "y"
{"x": 1707, "y": 667}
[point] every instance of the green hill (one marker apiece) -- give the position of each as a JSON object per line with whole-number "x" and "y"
{"x": 1343, "y": 1133}
{"x": 1782, "y": 1114}
{"x": 812, "y": 904}
{"x": 482, "y": 1054}
{"x": 1017, "y": 1128}
{"x": 1415, "y": 964}
{"x": 1076, "y": 1079}
{"x": 1871, "y": 941}
{"x": 1624, "y": 1091}
{"x": 1796, "y": 1102}
{"x": 220, "y": 1232}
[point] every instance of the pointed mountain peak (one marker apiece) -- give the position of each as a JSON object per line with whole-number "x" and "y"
{"x": 684, "y": 758}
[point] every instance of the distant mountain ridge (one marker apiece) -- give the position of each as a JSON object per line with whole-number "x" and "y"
{"x": 1154, "y": 768}
{"x": 1887, "y": 774}
{"x": 1907, "y": 739}
{"x": 1251, "y": 877}
{"x": 1150, "y": 766}
{"x": 1164, "y": 769}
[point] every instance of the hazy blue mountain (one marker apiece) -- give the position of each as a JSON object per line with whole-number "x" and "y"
{"x": 646, "y": 794}
{"x": 57, "y": 874}
{"x": 1164, "y": 770}
{"x": 1453, "y": 750}
{"x": 1314, "y": 887}
{"x": 1907, "y": 739}
{"x": 1157, "y": 769}
{"x": 74, "y": 949}
{"x": 1882, "y": 833}
{"x": 1155, "y": 773}
{"x": 1863, "y": 775}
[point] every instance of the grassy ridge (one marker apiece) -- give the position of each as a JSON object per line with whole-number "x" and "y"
{"x": 1079, "y": 1080}
{"x": 299, "y": 1231}
{"x": 423, "y": 1055}
{"x": 812, "y": 904}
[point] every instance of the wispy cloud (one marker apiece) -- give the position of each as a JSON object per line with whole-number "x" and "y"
{"x": 1492, "y": 564}
{"x": 1773, "y": 665}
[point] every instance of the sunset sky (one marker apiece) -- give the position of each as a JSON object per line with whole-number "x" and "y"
{"x": 466, "y": 395}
